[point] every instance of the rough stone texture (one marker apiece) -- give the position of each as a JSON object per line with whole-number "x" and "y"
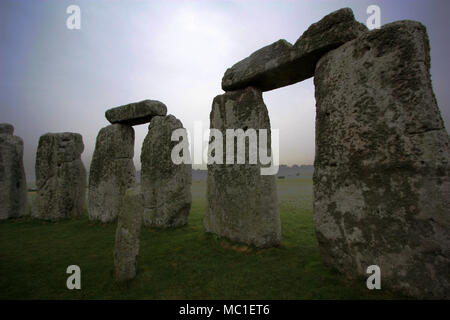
{"x": 112, "y": 172}
{"x": 126, "y": 247}
{"x": 165, "y": 185}
{"x": 242, "y": 204}
{"x": 267, "y": 68}
{"x": 281, "y": 64}
{"x": 136, "y": 113}
{"x": 381, "y": 181}
{"x": 60, "y": 177}
{"x": 6, "y": 128}
{"x": 13, "y": 185}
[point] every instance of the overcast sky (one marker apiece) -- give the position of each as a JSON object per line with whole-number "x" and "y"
{"x": 53, "y": 79}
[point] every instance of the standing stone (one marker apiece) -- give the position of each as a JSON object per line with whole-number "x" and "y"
{"x": 166, "y": 186}
{"x": 60, "y": 177}
{"x": 281, "y": 63}
{"x": 13, "y": 185}
{"x": 126, "y": 248}
{"x": 242, "y": 204}
{"x": 112, "y": 171}
{"x": 6, "y": 128}
{"x": 382, "y": 173}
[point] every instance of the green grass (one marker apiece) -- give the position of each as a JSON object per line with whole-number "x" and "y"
{"x": 184, "y": 263}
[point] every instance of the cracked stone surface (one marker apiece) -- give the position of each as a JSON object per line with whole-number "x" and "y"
{"x": 112, "y": 172}
{"x": 381, "y": 180}
{"x": 60, "y": 177}
{"x": 166, "y": 186}
{"x": 13, "y": 184}
{"x": 281, "y": 63}
{"x": 242, "y": 204}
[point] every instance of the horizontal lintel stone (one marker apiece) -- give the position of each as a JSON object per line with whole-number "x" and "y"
{"x": 281, "y": 63}
{"x": 136, "y": 113}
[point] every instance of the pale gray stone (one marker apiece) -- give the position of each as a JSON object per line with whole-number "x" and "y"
{"x": 382, "y": 173}
{"x": 166, "y": 186}
{"x": 126, "y": 247}
{"x": 60, "y": 177}
{"x": 112, "y": 171}
{"x": 13, "y": 185}
{"x": 136, "y": 113}
{"x": 242, "y": 204}
{"x": 281, "y": 64}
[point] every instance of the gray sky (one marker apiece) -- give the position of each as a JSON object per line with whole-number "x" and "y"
{"x": 53, "y": 79}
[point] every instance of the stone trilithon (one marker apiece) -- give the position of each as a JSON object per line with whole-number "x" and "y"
{"x": 382, "y": 171}
{"x": 112, "y": 169}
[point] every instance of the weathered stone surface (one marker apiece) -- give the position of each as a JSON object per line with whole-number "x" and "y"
{"x": 242, "y": 204}
{"x": 126, "y": 247}
{"x": 166, "y": 186}
{"x": 136, "y": 113}
{"x": 281, "y": 64}
{"x": 13, "y": 185}
{"x": 6, "y": 128}
{"x": 268, "y": 68}
{"x": 60, "y": 177}
{"x": 382, "y": 174}
{"x": 112, "y": 171}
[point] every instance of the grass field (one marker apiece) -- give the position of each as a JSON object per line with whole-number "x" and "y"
{"x": 185, "y": 263}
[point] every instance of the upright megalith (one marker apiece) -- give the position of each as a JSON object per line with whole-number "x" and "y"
{"x": 112, "y": 172}
{"x": 242, "y": 204}
{"x": 13, "y": 185}
{"x": 6, "y": 128}
{"x": 166, "y": 184}
{"x": 281, "y": 63}
{"x": 60, "y": 177}
{"x": 382, "y": 171}
{"x": 126, "y": 247}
